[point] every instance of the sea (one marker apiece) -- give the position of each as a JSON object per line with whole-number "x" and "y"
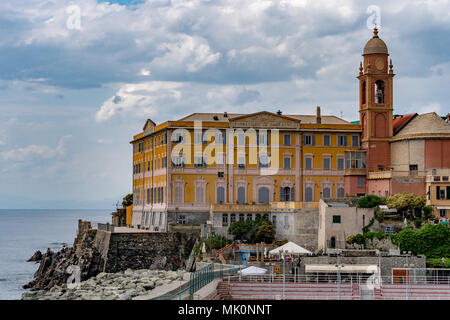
{"x": 23, "y": 232}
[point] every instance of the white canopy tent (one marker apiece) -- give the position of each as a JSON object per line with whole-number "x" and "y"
{"x": 290, "y": 248}
{"x": 251, "y": 271}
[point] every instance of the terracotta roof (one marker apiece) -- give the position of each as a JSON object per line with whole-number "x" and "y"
{"x": 221, "y": 118}
{"x": 399, "y": 122}
{"x": 426, "y": 124}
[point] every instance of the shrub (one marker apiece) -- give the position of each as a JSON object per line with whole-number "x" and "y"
{"x": 368, "y": 201}
{"x": 265, "y": 232}
{"x": 428, "y": 212}
{"x": 417, "y": 223}
{"x": 406, "y": 201}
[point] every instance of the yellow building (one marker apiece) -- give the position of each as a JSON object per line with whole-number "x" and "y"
{"x": 183, "y": 167}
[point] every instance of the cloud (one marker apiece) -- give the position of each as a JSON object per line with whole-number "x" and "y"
{"x": 104, "y": 141}
{"x": 143, "y": 98}
{"x": 39, "y": 151}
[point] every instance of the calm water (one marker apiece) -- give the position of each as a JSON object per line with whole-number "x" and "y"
{"x": 23, "y": 232}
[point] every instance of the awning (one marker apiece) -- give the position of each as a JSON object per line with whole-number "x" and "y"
{"x": 441, "y": 208}
{"x": 348, "y": 268}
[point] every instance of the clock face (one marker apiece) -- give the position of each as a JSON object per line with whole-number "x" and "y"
{"x": 379, "y": 64}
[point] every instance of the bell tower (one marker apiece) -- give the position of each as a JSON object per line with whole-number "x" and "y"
{"x": 376, "y": 103}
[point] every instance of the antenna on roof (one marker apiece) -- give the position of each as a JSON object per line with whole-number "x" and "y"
{"x": 279, "y": 112}
{"x": 341, "y": 113}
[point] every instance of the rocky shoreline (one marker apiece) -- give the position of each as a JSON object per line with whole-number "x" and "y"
{"x": 108, "y": 286}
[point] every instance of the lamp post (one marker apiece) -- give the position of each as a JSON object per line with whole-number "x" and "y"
{"x": 408, "y": 265}
{"x": 338, "y": 276}
{"x": 283, "y": 256}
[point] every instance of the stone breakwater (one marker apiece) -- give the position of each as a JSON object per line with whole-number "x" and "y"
{"x": 122, "y": 285}
{"x": 96, "y": 251}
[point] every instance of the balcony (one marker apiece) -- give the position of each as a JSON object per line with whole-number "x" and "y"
{"x": 380, "y": 174}
{"x": 231, "y": 207}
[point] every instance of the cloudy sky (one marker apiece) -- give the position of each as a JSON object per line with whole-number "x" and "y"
{"x": 74, "y": 91}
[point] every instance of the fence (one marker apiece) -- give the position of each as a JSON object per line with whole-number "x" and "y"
{"x": 105, "y": 227}
{"x": 207, "y": 274}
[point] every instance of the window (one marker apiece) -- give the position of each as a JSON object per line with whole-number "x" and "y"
{"x": 241, "y": 139}
{"x": 326, "y": 193}
{"x": 336, "y": 219}
{"x": 379, "y": 91}
{"x": 342, "y": 141}
{"x": 263, "y": 161}
{"x": 340, "y": 193}
{"x": 225, "y": 220}
{"x": 286, "y": 194}
{"x": 287, "y": 139}
{"x": 220, "y": 174}
{"x": 333, "y": 243}
{"x": 355, "y": 141}
{"x": 360, "y": 182}
{"x": 199, "y": 194}
{"x": 199, "y": 160}
{"x": 326, "y": 140}
{"x": 263, "y": 195}
{"x": 308, "y": 163}
{"x": 413, "y": 167}
{"x": 340, "y": 163}
{"x": 220, "y": 195}
{"x": 241, "y": 160}
{"x": 274, "y": 221}
{"x": 308, "y": 194}
{"x": 249, "y": 216}
{"x": 178, "y": 194}
{"x": 262, "y": 139}
{"x": 241, "y": 195}
{"x": 386, "y": 194}
{"x": 241, "y": 217}
{"x": 309, "y": 140}
{"x": 199, "y": 138}
{"x": 442, "y": 213}
{"x": 177, "y": 137}
{"x": 286, "y": 222}
{"x": 153, "y": 218}
{"x": 326, "y": 163}
{"x": 355, "y": 160}
{"x": 287, "y": 162}
{"x": 448, "y": 193}
{"x": 181, "y": 220}
{"x": 232, "y": 218}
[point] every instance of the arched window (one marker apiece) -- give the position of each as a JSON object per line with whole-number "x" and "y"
{"x": 263, "y": 195}
{"x": 363, "y": 92}
{"x": 379, "y": 91}
{"x": 232, "y": 218}
{"x": 266, "y": 216}
{"x": 340, "y": 193}
{"x": 241, "y": 217}
{"x": 326, "y": 193}
{"x": 220, "y": 195}
{"x": 286, "y": 194}
{"x": 308, "y": 194}
{"x": 241, "y": 195}
{"x": 249, "y": 216}
{"x": 333, "y": 242}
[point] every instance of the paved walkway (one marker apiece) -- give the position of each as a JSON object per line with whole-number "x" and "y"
{"x": 206, "y": 290}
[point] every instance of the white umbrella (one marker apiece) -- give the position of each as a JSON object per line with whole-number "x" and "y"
{"x": 252, "y": 271}
{"x": 289, "y": 248}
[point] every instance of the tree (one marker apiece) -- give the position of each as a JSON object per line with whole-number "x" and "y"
{"x": 433, "y": 241}
{"x": 406, "y": 201}
{"x": 369, "y": 201}
{"x": 265, "y": 232}
{"x": 247, "y": 230}
{"x": 127, "y": 200}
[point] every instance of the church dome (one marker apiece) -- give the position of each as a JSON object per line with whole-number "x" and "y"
{"x": 375, "y": 45}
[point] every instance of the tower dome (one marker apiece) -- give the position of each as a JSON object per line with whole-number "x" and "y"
{"x": 375, "y": 45}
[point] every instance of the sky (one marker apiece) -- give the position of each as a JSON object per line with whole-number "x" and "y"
{"x": 78, "y": 78}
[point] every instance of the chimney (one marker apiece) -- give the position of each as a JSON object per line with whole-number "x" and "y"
{"x": 318, "y": 117}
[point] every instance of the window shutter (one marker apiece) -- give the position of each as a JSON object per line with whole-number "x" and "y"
{"x": 292, "y": 194}
{"x": 438, "y": 193}
{"x": 282, "y": 197}
{"x": 448, "y": 193}
{"x": 304, "y": 140}
{"x": 345, "y": 140}
{"x": 313, "y": 139}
